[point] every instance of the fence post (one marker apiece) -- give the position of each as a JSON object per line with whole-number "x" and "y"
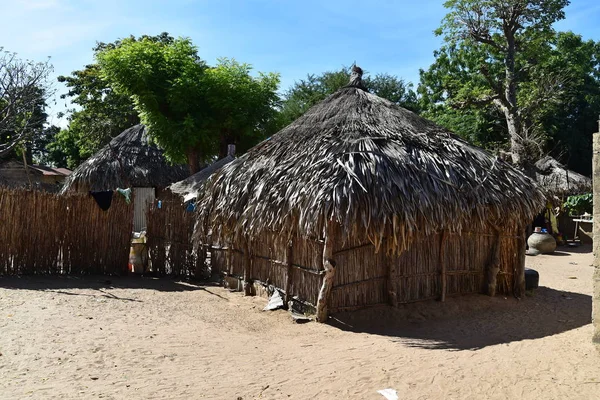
{"x": 247, "y": 268}
{"x": 329, "y": 274}
{"x": 596, "y": 242}
{"x": 288, "y": 277}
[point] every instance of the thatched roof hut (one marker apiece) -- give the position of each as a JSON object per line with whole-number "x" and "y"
{"x": 405, "y": 209}
{"x": 191, "y": 187}
{"x": 558, "y": 182}
{"x": 129, "y": 160}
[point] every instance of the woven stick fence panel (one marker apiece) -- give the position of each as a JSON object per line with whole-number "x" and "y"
{"x": 42, "y": 233}
{"x": 466, "y": 258}
{"x": 361, "y": 277}
{"x": 169, "y": 233}
{"x": 364, "y": 277}
{"x": 270, "y": 264}
{"x": 218, "y": 260}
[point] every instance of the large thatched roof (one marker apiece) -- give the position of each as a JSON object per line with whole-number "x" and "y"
{"x": 557, "y": 181}
{"x": 377, "y": 169}
{"x": 191, "y": 187}
{"x": 129, "y": 160}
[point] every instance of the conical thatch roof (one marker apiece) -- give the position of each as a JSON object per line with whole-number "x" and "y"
{"x": 375, "y": 168}
{"x": 191, "y": 187}
{"x": 129, "y": 160}
{"x": 557, "y": 181}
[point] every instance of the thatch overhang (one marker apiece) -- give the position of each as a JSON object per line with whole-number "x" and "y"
{"x": 191, "y": 187}
{"x": 128, "y": 160}
{"x": 558, "y": 182}
{"x": 375, "y": 169}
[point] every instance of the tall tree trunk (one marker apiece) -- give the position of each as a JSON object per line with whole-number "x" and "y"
{"x": 26, "y": 169}
{"x": 225, "y": 139}
{"x": 193, "y": 159}
{"x": 515, "y": 128}
{"x": 511, "y": 108}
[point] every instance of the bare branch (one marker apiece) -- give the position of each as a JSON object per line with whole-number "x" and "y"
{"x": 475, "y": 102}
{"x": 23, "y": 86}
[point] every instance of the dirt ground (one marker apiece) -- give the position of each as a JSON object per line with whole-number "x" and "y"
{"x": 142, "y": 338}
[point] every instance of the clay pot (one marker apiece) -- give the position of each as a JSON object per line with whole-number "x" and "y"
{"x": 541, "y": 242}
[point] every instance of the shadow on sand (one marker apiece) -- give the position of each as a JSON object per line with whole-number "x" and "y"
{"x": 101, "y": 284}
{"x": 473, "y": 321}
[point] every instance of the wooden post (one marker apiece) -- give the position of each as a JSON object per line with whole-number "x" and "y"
{"x": 519, "y": 278}
{"x": 200, "y": 261}
{"x": 288, "y": 276}
{"x": 494, "y": 267}
{"x": 596, "y": 242}
{"x": 329, "y": 274}
{"x": 247, "y": 269}
{"x": 392, "y": 284}
{"x": 443, "y": 265}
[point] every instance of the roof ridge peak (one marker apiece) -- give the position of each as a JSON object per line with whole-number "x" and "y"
{"x": 356, "y": 78}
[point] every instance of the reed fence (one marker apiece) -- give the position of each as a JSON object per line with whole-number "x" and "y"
{"x": 169, "y": 240}
{"x": 44, "y": 233}
{"x": 435, "y": 265}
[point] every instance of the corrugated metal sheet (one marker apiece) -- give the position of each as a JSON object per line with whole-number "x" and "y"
{"x": 142, "y": 197}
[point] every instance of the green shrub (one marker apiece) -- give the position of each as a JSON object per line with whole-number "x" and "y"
{"x": 577, "y": 205}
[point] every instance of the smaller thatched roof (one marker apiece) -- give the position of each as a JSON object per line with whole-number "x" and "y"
{"x": 129, "y": 160}
{"x": 557, "y": 181}
{"x": 191, "y": 187}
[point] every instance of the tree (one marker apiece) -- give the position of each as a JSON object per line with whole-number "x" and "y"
{"x": 24, "y": 89}
{"x": 502, "y": 38}
{"x": 445, "y": 92}
{"x": 189, "y": 107}
{"x": 40, "y": 151}
{"x": 564, "y": 123}
{"x": 315, "y": 88}
{"x": 102, "y": 113}
{"x": 569, "y": 124}
{"x": 242, "y": 107}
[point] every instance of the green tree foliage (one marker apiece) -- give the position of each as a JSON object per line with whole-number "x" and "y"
{"x": 100, "y": 113}
{"x": 315, "y": 88}
{"x": 39, "y": 148}
{"x": 563, "y": 121}
{"x": 579, "y": 204}
{"x": 569, "y": 124}
{"x": 242, "y": 107}
{"x": 191, "y": 109}
{"x": 497, "y": 43}
{"x": 442, "y": 91}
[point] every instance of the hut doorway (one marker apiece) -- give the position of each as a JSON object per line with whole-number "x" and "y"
{"x": 142, "y": 198}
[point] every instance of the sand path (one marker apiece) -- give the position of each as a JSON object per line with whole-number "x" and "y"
{"x": 69, "y": 338}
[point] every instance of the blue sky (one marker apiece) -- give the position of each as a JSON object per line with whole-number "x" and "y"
{"x": 290, "y": 37}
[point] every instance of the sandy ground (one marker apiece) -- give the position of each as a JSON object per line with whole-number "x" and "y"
{"x": 132, "y": 338}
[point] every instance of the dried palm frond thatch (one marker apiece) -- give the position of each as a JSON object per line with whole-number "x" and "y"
{"x": 191, "y": 187}
{"x": 129, "y": 160}
{"x": 369, "y": 166}
{"x": 557, "y": 181}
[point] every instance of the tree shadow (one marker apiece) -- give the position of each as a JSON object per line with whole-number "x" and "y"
{"x": 473, "y": 322}
{"x": 101, "y": 284}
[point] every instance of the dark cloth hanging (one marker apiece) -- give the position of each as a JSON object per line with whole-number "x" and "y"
{"x": 104, "y": 199}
